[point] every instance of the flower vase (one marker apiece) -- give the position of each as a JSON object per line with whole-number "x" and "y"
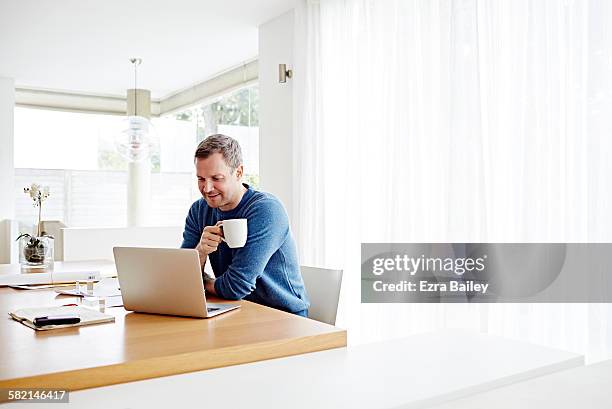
{"x": 36, "y": 254}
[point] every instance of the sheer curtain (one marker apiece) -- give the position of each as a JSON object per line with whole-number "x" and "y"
{"x": 454, "y": 121}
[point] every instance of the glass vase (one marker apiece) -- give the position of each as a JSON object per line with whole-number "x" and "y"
{"x": 36, "y": 254}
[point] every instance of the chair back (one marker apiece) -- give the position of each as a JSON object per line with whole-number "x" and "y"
{"x": 323, "y": 288}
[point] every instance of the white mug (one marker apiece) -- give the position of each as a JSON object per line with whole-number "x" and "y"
{"x": 235, "y": 232}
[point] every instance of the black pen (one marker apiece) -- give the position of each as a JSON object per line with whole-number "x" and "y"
{"x": 56, "y": 320}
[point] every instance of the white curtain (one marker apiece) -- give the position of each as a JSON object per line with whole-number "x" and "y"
{"x": 454, "y": 121}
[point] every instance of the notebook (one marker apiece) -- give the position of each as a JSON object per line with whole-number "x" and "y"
{"x": 88, "y": 316}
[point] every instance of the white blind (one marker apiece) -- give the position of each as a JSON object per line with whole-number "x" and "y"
{"x": 53, "y": 208}
{"x": 82, "y": 198}
{"x": 96, "y": 198}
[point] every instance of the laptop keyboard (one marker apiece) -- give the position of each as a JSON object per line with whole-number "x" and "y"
{"x": 212, "y": 309}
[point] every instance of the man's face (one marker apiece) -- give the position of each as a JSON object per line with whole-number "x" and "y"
{"x": 220, "y": 186}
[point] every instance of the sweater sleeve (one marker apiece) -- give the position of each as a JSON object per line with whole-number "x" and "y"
{"x": 268, "y": 226}
{"x": 192, "y": 232}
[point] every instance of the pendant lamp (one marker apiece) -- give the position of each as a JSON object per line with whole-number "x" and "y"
{"x": 136, "y": 140}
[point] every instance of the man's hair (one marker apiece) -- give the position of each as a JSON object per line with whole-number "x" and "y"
{"x": 223, "y": 144}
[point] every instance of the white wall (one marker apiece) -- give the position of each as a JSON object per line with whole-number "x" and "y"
{"x": 276, "y": 109}
{"x": 7, "y": 171}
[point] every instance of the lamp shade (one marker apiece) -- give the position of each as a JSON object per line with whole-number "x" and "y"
{"x": 137, "y": 139}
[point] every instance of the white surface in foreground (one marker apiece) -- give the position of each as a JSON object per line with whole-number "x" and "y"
{"x": 587, "y": 386}
{"x": 418, "y": 371}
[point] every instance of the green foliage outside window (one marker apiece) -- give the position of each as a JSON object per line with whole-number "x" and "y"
{"x": 251, "y": 180}
{"x": 112, "y": 160}
{"x": 240, "y": 108}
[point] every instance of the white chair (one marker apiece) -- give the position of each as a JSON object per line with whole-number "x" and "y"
{"x": 54, "y": 228}
{"x": 323, "y": 288}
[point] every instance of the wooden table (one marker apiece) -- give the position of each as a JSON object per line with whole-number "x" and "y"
{"x": 141, "y": 346}
{"x": 415, "y": 372}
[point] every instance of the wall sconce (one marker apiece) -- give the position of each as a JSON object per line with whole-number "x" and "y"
{"x": 284, "y": 73}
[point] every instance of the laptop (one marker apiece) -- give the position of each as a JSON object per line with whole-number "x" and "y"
{"x": 164, "y": 281}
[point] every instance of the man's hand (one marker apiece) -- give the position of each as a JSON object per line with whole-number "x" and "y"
{"x": 209, "y": 286}
{"x": 211, "y": 237}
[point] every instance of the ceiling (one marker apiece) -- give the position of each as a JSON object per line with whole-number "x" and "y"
{"x": 85, "y": 46}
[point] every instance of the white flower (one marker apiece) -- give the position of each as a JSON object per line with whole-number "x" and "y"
{"x": 37, "y": 192}
{"x": 32, "y": 190}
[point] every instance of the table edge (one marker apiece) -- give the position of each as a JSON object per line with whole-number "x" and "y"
{"x": 156, "y": 367}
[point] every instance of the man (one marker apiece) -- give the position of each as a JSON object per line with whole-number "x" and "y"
{"x": 266, "y": 269}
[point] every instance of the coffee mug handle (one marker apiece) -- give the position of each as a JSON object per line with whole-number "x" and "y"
{"x": 220, "y": 224}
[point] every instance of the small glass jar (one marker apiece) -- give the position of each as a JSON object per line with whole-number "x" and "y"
{"x": 36, "y": 254}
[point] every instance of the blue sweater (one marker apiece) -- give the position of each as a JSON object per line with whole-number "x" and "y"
{"x": 266, "y": 269}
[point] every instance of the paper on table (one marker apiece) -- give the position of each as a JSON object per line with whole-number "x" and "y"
{"x": 106, "y": 287}
{"x": 48, "y": 278}
{"x": 102, "y": 292}
{"x": 88, "y": 316}
{"x": 38, "y": 286}
{"x": 109, "y": 302}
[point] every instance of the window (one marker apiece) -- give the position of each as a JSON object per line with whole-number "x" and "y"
{"x": 74, "y": 153}
{"x": 235, "y": 115}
